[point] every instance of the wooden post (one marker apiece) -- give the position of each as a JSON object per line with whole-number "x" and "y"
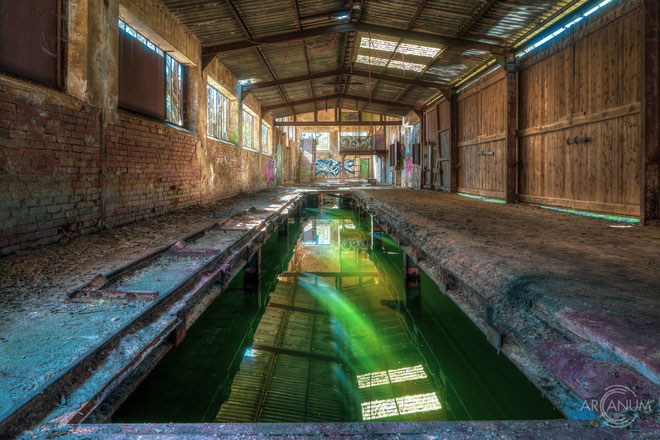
{"x": 453, "y": 133}
{"x": 511, "y": 160}
{"x": 251, "y": 279}
{"x": 412, "y": 294}
{"x": 650, "y": 126}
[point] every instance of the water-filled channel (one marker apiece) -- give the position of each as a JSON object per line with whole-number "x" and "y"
{"x": 335, "y": 336}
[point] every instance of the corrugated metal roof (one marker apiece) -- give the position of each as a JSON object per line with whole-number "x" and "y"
{"x": 499, "y": 22}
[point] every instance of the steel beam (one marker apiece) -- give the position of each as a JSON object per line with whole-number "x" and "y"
{"x": 361, "y": 73}
{"x": 406, "y": 105}
{"x": 211, "y": 51}
{"x": 422, "y": 37}
{"x": 335, "y": 124}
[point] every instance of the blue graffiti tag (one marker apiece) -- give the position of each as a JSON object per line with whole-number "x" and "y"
{"x": 333, "y": 167}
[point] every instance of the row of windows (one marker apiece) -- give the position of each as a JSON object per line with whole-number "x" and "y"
{"x": 218, "y": 105}
{"x": 218, "y": 121}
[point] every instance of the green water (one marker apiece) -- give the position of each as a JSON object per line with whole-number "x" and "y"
{"x": 332, "y": 341}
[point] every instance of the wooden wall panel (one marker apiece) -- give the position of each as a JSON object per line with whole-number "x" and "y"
{"x": 431, "y": 129}
{"x": 590, "y": 89}
{"x": 482, "y": 131}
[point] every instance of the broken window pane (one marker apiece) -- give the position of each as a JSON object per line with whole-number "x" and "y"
{"x": 248, "y": 130}
{"x": 217, "y": 114}
{"x": 173, "y": 91}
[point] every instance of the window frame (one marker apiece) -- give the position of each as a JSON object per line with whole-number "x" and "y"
{"x": 170, "y": 116}
{"x": 61, "y": 43}
{"x": 266, "y": 145}
{"x": 250, "y": 130}
{"x": 176, "y": 88}
{"x": 318, "y": 135}
{"x": 220, "y": 114}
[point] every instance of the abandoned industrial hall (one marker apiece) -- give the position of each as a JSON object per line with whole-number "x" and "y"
{"x": 293, "y": 219}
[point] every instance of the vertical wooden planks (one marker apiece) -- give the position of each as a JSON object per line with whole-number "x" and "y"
{"x": 481, "y": 131}
{"x": 587, "y": 90}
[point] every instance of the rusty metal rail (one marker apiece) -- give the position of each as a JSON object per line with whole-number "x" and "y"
{"x": 167, "y": 311}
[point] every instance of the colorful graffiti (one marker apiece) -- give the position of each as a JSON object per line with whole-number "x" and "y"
{"x": 355, "y": 142}
{"x": 409, "y": 164}
{"x": 270, "y": 170}
{"x": 331, "y": 167}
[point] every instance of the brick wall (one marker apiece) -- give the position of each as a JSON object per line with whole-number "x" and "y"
{"x": 49, "y": 179}
{"x": 151, "y": 168}
{"x": 50, "y": 169}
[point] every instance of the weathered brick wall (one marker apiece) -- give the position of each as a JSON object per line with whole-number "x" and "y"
{"x": 50, "y": 169}
{"x": 49, "y": 175}
{"x": 151, "y": 168}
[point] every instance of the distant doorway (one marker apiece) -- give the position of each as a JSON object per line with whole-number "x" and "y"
{"x": 364, "y": 168}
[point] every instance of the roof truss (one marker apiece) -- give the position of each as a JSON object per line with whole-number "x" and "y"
{"x": 404, "y": 105}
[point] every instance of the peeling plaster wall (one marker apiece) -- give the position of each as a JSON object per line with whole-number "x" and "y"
{"x": 71, "y": 162}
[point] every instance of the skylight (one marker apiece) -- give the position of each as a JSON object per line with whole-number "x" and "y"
{"x": 375, "y": 61}
{"x": 563, "y": 28}
{"x": 404, "y": 48}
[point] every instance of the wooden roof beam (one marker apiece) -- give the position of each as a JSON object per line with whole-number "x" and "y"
{"x": 374, "y": 75}
{"x": 422, "y": 37}
{"x": 405, "y": 105}
{"x": 211, "y": 51}
{"x": 335, "y": 123}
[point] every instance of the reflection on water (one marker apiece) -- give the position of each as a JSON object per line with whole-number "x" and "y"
{"x": 333, "y": 342}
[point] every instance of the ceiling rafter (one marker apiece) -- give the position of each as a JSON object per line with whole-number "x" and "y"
{"x": 304, "y": 48}
{"x": 349, "y": 45}
{"x": 361, "y": 73}
{"x": 411, "y": 23}
{"x": 406, "y": 105}
{"x": 478, "y": 14}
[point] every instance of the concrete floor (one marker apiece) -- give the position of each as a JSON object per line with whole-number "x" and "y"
{"x": 577, "y": 294}
{"x": 41, "y": 332}
{"x": 580, "y": 295}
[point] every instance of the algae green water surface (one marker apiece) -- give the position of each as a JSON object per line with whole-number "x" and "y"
{"x": 333, "y": 341}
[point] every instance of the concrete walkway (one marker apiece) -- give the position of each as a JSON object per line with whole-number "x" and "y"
{"x": 581, "y": 295}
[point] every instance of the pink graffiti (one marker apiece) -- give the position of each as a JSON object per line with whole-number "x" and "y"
{"x": 270, "y": 170}
{"x": 408, "y": 166}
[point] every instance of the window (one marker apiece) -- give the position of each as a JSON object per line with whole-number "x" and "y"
{"x": 266, "y": 147}
{"x": 30, "y": 42}
{"x": 322, "y": 139}
{"x": 150, "y": 81}
{"x": 173, "y": 91}
{"x": 248, "y": 130}
{"x": 217, "y": 114}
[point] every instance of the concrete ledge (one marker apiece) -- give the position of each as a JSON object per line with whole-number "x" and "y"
{"x": 519, "y": 430}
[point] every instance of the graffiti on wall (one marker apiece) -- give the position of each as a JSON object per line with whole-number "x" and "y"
{"x": 355, "y": 142}
{"x": 331, "y": 167}
{"x": 270, "y": 170}
{"x": 409, "y": 165}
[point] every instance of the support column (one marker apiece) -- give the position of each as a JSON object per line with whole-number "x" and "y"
{"x": 511, "y": 148}
{"x": 412, "y": 294}
{"x": 650, "y": 126}
{"x": 453, "y": 136}
{"x": 252, "y": 278}
{"x": 376, "y": 235}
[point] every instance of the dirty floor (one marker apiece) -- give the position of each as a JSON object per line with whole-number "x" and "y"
{"x": 596, "y": 279}
{"x": 40, "y": 332}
